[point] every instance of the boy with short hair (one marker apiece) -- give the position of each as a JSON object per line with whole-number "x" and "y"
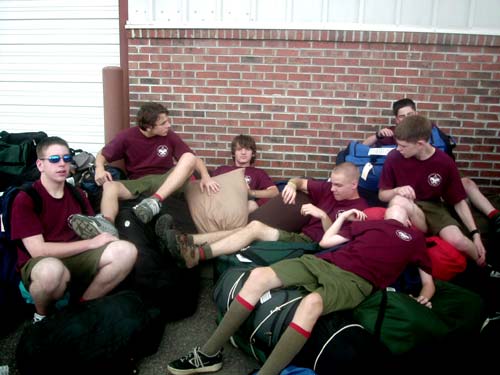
{"x": 328, "y": 200}
{"x": 405, "y": 107}
{"x": 422, "y": 179}
{"x": 374, "y": 255}
{"x": 50, "y": 253}
{"x": 158, "y": 164}
{"x": 260, "y": 186}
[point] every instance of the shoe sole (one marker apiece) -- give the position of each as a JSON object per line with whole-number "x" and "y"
{"x": 201, "y": 370}
{"x": 85, "y": 228}
{"x": 164, "y": 223}
{"x": 142, "y": 215}
{"x": 169, "y": 237}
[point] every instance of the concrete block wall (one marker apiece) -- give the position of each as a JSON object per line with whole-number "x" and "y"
{"x": 305, "y": 94}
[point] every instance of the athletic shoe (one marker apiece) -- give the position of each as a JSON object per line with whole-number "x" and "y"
{"x": 195, "y": 362}
{"x": 37, "y": 318}
{"x": 185, "y": 254}
{"x": 91, "y": 226}
{"x": 147, "y": 209}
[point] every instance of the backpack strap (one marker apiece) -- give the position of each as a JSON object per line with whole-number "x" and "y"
{"x": 37, "y": 199}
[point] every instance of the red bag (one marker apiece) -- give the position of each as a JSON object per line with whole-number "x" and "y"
{"x": 446, "y": 260}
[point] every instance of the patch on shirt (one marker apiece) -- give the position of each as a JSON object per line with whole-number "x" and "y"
{"x": 162, "y": 151}
{"x": 434, "y": 179}
{"x": 404, "y": 235}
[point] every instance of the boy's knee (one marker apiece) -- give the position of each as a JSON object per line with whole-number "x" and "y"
{"x": 313, "y": 304}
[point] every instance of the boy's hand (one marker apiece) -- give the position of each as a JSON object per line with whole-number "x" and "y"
{"x": 209, "y": 185}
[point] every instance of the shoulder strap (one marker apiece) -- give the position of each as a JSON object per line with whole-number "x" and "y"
{"x": 37, "y": 200}
{"x": 35, "y": 197}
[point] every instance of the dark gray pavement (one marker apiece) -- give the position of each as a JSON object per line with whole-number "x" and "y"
{"x": 178, "y": 339}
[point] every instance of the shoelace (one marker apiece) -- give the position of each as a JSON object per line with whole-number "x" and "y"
{"x": 196, "y": 360}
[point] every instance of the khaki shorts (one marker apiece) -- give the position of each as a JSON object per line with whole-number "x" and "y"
{"x": 285, "y": 236}
{"x": 437, "y": 216}
{"x": 339, "y": 289}
{"x": 82, "y": 267}
{"x": 148, "y": 185}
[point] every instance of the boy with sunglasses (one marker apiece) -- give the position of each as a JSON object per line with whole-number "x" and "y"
{"x": 50, "y": 254}
{"x": 158, "y": 164}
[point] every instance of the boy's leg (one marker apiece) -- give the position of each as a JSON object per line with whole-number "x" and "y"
{"x": 49, "y": 280}
{"x": 176, "y": 178}
{"x": 295, "y": 336}
{"x": 112, "y": 193}
{"x": 115, "y": 264}
{"x": 260, "y": 280}
{"x": 190, "y": 254}
{"x": 454, "y": 236}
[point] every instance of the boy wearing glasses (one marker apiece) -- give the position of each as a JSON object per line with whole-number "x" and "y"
{"x": 50, "y": 254}
{"x": 406, "y": 107}
{"x": 158, "y": 164}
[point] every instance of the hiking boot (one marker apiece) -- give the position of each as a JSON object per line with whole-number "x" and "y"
{"x": 195, "y": 362}
{"x": 147, "y": 209}
{"x": 164, "y": 223}
{"x": 91, "y": 226}
{"x": 186, "y": 255}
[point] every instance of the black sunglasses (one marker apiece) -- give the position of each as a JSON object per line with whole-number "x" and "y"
{"x": 57, "y": 158}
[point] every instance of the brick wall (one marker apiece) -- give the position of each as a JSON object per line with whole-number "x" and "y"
{"x": 304, "y": 94}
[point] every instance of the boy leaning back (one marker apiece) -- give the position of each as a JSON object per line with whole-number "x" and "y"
{"x": 158, "y": 164}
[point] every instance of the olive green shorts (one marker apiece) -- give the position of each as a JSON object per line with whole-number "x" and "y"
{"x": 148, "y": 185}
{"x": 82, "y": 267}
{"x": 285, "y": 236}
{"x": 339, "y": 289}
{"x": 437, "y": 216}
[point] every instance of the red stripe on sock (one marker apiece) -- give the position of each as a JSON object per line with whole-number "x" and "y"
{"x": 201, "y": 252}
{"x": 158, "y": 196}
{"x": 300, "y": 330}
{"x": 245, "y": 303}
{"x": 493, "y": 213}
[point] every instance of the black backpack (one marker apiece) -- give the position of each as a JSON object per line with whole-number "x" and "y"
{"x": 105, "y": 335}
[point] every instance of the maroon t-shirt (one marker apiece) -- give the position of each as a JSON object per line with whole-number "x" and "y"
{"x": 256, "y": 178}
{"x": 379, "y": 250}
{"x": 432, "y": 179}
{"x": 143, "y": 155}
{"x": 52, "y": 222}
{"x": 322, "y": 197}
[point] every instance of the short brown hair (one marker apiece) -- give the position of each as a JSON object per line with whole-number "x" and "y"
{"x": 148, "y": 115}
{"x": 413, "y": 129}
{"x": 244, "y": 141}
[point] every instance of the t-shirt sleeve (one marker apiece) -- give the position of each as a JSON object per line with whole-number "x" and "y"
{"x": 387, "y": 178}
{"x": 179, "y": 146}
{"x": 316, "y": 189}
{"x": 115, "y": 149}
{"x": 264, "y": 180}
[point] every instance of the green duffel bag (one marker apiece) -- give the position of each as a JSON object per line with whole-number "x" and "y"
{"x": 263, "y": 253}
{"x": 402, "y": 324}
